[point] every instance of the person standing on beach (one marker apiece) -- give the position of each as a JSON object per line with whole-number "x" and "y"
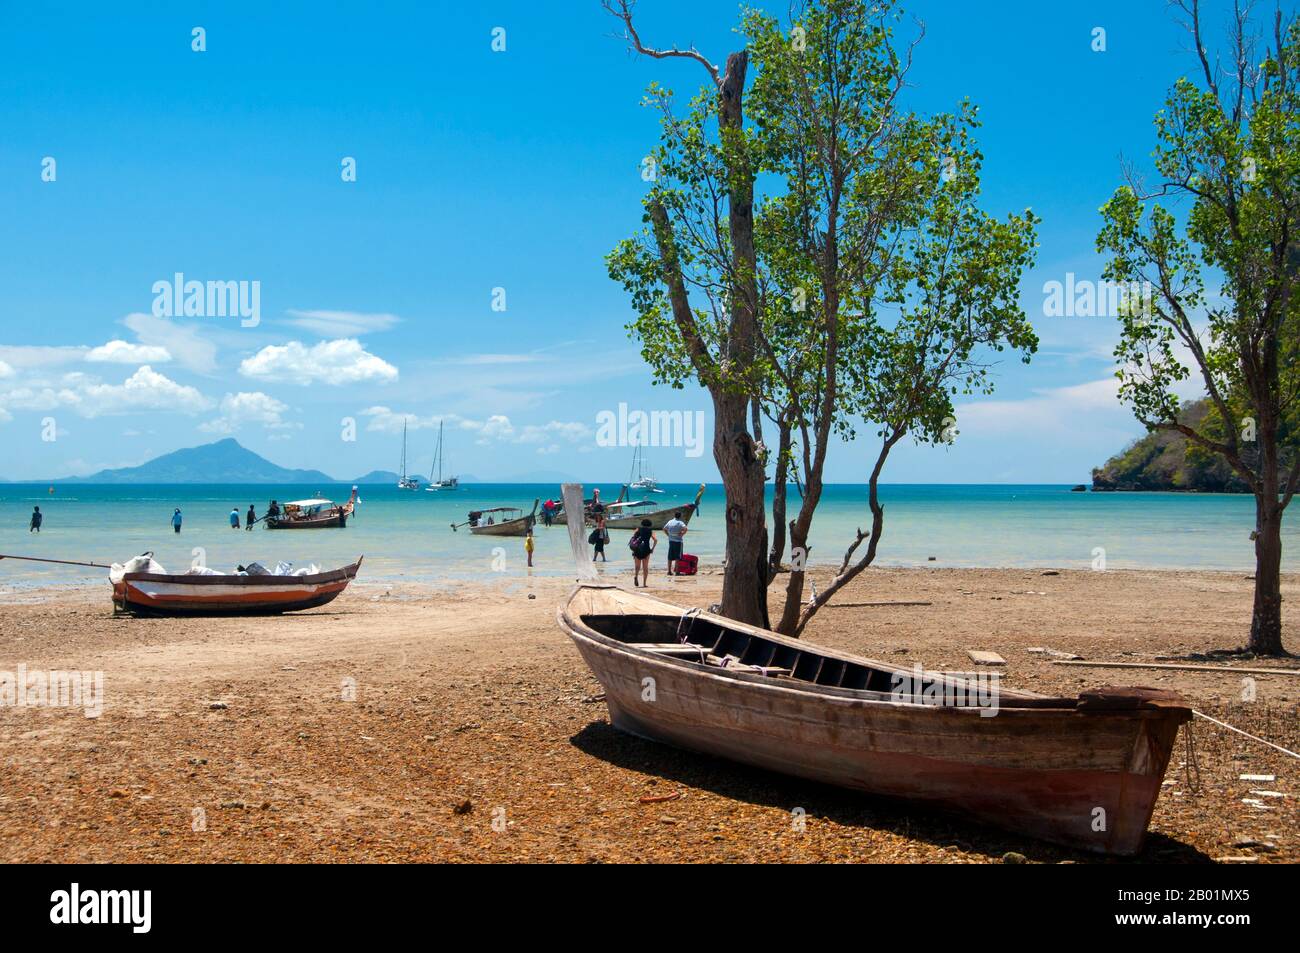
{"x": 599, "y": 537}
{"x": 642, "y": 544}
{"x": 176, "y": 520}
{"x": 234, "y": 517}
{"x": 252, "y": 517}
{"x": 528, "y": 546}
{"x": 35, "y": 525}
{"x": 675, "y": 530}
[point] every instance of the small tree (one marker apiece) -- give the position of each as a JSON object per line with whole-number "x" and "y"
{"x": 700, "y": 214}
{"x": 1230, "y": 150}
{"x": 883, "y": 285}
{"x": 870, "y": 281}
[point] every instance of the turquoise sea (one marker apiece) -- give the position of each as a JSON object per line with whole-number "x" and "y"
{"x": 407, "y": 536}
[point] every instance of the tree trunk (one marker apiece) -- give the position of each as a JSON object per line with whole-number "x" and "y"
{"x": 1266, "y": 621}
{"x": 780, "y": 488}
{"x": 744, "y": 583}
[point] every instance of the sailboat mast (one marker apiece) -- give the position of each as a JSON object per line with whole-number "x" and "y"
{"x": 403, "y": 449}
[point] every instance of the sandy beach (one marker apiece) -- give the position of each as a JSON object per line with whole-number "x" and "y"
{"x": 458, "y": 724}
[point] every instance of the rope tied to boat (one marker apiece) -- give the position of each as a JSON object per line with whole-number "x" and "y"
{"x": 1264, "y": 741}
{"x": 1191, "y": 769}
{"x": 688, "y": 618}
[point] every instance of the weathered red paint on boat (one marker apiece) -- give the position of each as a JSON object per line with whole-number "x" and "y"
{"x": 1083, "y": 771}
{"x": 166, "y": 594}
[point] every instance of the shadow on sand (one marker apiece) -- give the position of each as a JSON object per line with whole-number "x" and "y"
{"x": 849, "y": 808}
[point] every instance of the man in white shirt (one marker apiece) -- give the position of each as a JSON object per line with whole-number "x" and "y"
{"x": 675, "y": 530}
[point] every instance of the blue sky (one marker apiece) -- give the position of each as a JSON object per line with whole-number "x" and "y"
{"x": 475, "y": 170}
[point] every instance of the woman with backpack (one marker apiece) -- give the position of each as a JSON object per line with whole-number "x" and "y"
{"x": 642, "y": 544}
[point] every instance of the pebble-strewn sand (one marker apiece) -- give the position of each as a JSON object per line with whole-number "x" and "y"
{"x": 471, "y": 706}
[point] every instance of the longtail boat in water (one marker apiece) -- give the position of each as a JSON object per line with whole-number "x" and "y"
{"x": 1082, "y": 771}
{"x": 513, "y": 521}
{"x": 629, "y": 516}
{"x": 316, "y": 513}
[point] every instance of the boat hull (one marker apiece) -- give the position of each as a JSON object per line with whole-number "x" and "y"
{"x": 516, "y": 527}
{"x": 176, "y": 595}
{"x": 658, "y": 518}
{"x": 1057, "y": 769}
{"x": 333, "y": 521}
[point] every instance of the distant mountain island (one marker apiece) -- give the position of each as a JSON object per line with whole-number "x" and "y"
{"x": 226, "y": 461}
{"x": 378, "y": 476}
{"x": 1161, "y": 461}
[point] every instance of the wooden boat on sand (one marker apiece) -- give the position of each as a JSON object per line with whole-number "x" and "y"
{"x": 151, "y": 593}
{"x": 1081, "y": 771}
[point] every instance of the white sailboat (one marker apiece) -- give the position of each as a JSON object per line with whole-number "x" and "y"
{"x": 640, "y": 480}
{"x": 405, "y": 482}
{"x": 440, "y": 483}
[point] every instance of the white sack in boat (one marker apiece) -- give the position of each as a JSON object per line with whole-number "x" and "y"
{"x": 142, "y": 563}
{"x": 203, "y": 571}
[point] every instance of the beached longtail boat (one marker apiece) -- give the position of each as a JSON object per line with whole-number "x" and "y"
{"x": 510, "y": 526}
{"x": 628, "y": 517}
{"x": 313, "y": 514}
{"x": 1081, "y": 771}
{"x": 149, "y": 593}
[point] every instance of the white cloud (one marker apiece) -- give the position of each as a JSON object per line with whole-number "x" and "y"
{"x": 184, "y": 343}
{"x": 248, "y": 407}
{"x": 87, "y": 396}
{"x": 343, "y": 361}
{"x": 342, "y": 323}
{"x": 23, "y": 356}
{"x": 123, "y": 352}
{"x": 146, "y": 389}
{"x": 571, "y": 431}
{"x": 6, "y": 370}
{"x": 476, "y": 360}
{"x": 1050, "y": 409}
{"x": 497, "y": 428}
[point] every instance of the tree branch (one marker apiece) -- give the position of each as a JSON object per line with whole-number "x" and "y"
{"x": 622, "y": 10}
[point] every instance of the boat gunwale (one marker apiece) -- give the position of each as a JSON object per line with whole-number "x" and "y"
{"x": 348, "y": 572}
{"x": 1037, "y": 704}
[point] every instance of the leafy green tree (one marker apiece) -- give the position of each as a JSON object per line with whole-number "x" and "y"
{"x": 872, "y": 286}
{"x": 884, "y": 286}
{"x": 1226, "y": 211}
{"x": 700, "y": 241}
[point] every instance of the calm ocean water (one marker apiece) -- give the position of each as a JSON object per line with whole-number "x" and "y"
{"x": 406, "y": 535}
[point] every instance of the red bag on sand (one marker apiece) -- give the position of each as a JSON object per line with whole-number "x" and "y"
{"x": 687, "y": 564}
